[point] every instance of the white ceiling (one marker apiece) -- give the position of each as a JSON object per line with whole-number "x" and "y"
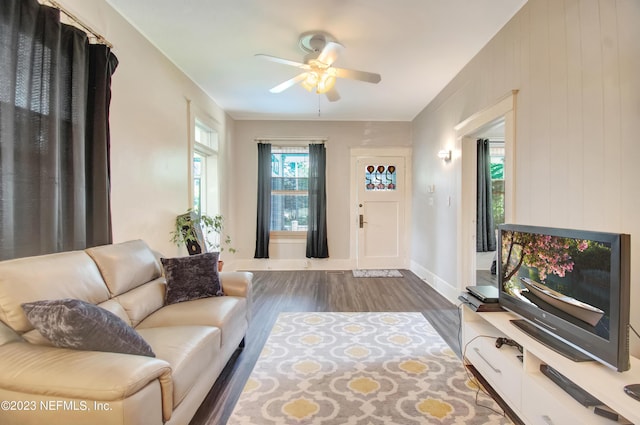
{"x": 417, "y": 46}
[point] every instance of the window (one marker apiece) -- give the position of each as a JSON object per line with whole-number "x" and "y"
{"x": 380, "y": 178}
{"x": 496, "y": 153}
{"x": 289, "y": 189}
{"x": 205, "y": 169}
{"x": 199, "y": 162}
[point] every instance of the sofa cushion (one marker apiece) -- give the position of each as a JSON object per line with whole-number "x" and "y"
{"x": 226, "y": 313}
{"x": 192, "y": 277}
{"x": 63, "y": 275}
{"x": 189, "y": 350}
{"x": 79, "y": 325}
{"x": 143, "y": 300}
{"x": 116, "y": 308}
{"x": 125, "y": 265}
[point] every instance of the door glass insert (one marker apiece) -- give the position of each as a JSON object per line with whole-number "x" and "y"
{"x": 380, "y": 177}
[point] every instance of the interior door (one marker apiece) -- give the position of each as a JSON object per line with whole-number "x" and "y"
{"x": 381, "y": 190}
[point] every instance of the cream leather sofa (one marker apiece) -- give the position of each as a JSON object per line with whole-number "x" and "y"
{"x": 192, "y": 340}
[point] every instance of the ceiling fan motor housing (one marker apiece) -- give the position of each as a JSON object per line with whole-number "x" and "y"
{"x": 312, "y": 43}
{"x": 317, "y": 43}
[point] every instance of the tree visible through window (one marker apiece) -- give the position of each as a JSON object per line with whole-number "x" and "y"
{"x": 497, "y": 181}
{"x": 289, "y": 189}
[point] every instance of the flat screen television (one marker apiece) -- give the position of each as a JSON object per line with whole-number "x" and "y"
{"x": 571, "y": 288}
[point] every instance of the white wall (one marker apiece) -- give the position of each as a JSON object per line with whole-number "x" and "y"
{"x": 341, "y": 137}
{"x": 150, "y": 158}
{"x": 149, "y": 131}
{"x": 575, "y": 62}
{"x": 576, "y": 65}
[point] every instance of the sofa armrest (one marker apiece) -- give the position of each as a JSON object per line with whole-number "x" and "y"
{"x": 93, "y": 375}
{"x": 238, "y": 284}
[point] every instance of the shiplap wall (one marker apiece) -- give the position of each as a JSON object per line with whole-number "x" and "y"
{"x": 576, "y": 64}
{"x": 575, "y": 120}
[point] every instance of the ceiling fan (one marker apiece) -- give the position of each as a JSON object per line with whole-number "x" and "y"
{"x": 319, "y": 74}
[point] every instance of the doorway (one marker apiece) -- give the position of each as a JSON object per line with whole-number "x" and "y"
{"x": 492, "y": 135}
{"x": 467, "y": 133}
{"x": 379, "y": 190}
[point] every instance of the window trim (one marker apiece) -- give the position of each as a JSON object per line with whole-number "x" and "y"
{"x": 288, "y": 234}
{"x": 197, "y": 115}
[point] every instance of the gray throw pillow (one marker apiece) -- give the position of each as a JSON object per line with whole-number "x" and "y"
{"x": 192, "y": 277}
{"x": 76, "y": 324}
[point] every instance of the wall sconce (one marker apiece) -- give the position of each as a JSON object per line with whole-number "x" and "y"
{"x": 444, "y": 155}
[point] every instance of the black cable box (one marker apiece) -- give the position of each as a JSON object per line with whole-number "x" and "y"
{"x": 476, "y": 305}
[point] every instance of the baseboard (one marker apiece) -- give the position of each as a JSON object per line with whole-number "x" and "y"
{"x": 293, "y": 264}
{"x": 443, "y": 287}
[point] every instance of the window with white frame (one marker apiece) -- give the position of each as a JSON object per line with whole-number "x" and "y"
{"x": 205, "y": 184}
{"x": 289, "y": 188}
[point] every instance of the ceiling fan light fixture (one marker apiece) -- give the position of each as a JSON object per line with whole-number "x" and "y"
{"x": 327, "y": 81}
{"x": 311, "y": 81}
{"x": 318, "y": 73}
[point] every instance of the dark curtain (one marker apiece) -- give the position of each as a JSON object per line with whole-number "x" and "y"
{"x": 317, "y": 246}
{"x": 102, "y": 64}
{"x": 54, "y": 133}
{"x": 263, "y": 221}
{"x": 485, "y": 229}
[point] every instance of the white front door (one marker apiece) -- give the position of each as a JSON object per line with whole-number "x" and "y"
{"x": 381, "y": 187}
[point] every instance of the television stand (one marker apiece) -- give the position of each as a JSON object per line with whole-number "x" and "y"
{"x": 551, "y": 342}
{"x": 533, "y": 397}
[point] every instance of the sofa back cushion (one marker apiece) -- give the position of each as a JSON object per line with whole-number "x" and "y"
{"x": 47, "y": 277}
{"x": 114, "y": 307}
{"x": 125, "y": 265}
{"x": 143, "y": 300}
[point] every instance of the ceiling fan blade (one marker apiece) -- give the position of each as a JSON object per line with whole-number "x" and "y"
{"x": 333, "y": 95}
{"x": 368, "y": 77}
{"x": 289, "y": 83}
{"x": 283, "y": 61}
{"x": 329, "y": 53}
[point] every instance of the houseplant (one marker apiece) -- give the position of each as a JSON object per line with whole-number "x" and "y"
{"x": 201, "y": 233}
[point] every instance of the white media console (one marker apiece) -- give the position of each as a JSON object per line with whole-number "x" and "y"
{"x": 535, "y": 398}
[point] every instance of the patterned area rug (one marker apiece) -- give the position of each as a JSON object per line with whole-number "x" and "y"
{"x": 377, "y": 273}
{"x": 359, "y": 369}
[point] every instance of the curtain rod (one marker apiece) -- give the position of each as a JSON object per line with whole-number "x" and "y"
{"x": 77, "y": 20}
{"x": 291, "y": 139}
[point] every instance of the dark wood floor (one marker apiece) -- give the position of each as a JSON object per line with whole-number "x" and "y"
{"x": 280, "y": 291}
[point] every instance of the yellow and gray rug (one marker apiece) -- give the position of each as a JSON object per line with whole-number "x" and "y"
{"x": 359, "y": 369}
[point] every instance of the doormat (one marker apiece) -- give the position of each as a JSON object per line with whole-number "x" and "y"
{"x": 377, "y": 273}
